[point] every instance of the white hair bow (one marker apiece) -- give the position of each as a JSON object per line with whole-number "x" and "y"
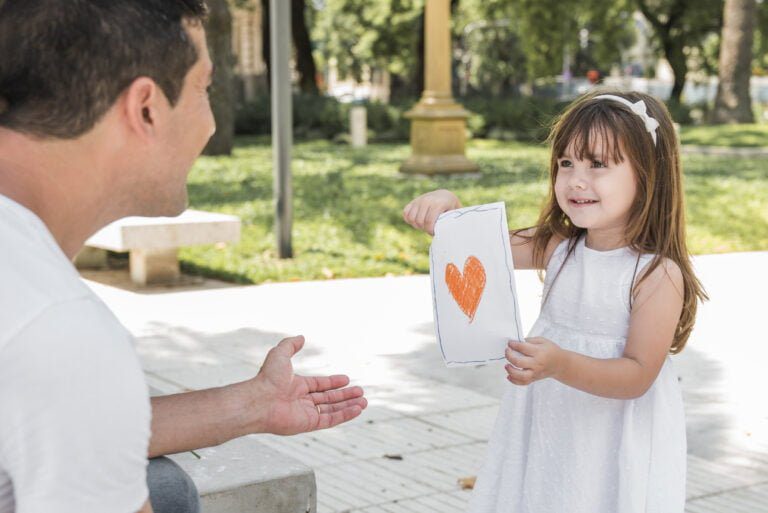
{"x": 638, "y": 108}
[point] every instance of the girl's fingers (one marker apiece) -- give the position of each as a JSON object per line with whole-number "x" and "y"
{"x": 431, "y": 220}
{"x": 407, "y": 212}
{"x": 522, "y": 347}
{"x": 519, "y": 376}
{"x": 518, "y": 360}
{"x": 422, "y": 217}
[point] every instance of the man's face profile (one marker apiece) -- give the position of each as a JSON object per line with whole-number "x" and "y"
{"x": 185, "y": 132}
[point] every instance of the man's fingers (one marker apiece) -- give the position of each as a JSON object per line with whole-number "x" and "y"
{"x": 362, "y": 402}
{"x": 329, "y": 420}
{"x": 291, "y": 345}
{"x": 324, "y": 383}
{"x": 336, "y": 396}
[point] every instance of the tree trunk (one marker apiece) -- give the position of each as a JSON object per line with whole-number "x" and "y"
{"x": 305, "y": 62}
{"x": 219, "y": 33}
{"x": 733, "y": 103}
{"x": 673, "y": 50}
{"x": 668, "y": 33}
{"x": 266, "y": 44}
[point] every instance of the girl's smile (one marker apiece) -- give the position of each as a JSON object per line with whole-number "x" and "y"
{"x": 581, "y": 202}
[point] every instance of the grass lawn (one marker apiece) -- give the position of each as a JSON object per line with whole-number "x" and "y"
{"x": 745, "y": 136}
{"x": 348, "y": 203}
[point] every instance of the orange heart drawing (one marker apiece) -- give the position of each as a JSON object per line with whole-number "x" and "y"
{"x": 467, "y": 288}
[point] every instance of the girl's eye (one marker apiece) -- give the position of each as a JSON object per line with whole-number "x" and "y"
{"x": 598, "y": 163}
{"x": 566, "y": 163}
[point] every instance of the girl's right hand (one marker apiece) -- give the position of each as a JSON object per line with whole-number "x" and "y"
{"x": 422, "y": 212}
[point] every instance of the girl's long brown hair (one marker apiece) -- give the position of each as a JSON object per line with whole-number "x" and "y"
{"x": 657, "y": 218}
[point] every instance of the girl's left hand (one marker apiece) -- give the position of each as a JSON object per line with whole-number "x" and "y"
{"x": 536, "y": 358}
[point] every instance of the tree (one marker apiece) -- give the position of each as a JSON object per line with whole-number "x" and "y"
{"x": 533, "y": 36}
{"x": 219, "y": 34}
{"x": 680, "y": 24}
{"x": 733, "y": 103}
{"x": 359, "y": 34}
{"x": 305, "y": 60}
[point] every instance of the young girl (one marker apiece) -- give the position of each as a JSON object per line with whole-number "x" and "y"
{"x": 595, "y": 423}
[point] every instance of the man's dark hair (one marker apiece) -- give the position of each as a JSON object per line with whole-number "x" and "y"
{"x": 63, "y": 63}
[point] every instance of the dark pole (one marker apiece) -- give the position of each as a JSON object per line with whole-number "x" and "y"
{"x": 282, "y": 121}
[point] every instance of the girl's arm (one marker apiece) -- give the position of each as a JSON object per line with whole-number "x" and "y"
{"x": 422, "y": 213}
{"x": 655, "y": 314}
{"x": 522, "y": 249}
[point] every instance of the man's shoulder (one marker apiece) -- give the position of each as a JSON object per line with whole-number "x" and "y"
{"x": 34, "y": 273}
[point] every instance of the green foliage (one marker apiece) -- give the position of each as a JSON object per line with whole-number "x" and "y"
{"x": 680, "y": 112}
{"x": 542, "y": 31}
{"x": 313, "y": 117}
{"x": 359, "y": 33}
{"x": 348, "y": 203}
{"x": 689, "y": 20}
{"x": 323, "y": 117}
{"x": 744, "y": 136}
{"x": 518, "y": 118}
{"x": 522, "y": 119}
{"x": 760, "y": 48}
{"x": 493, "y": 59}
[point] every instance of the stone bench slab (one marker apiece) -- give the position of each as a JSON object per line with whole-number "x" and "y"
{"x": 191, "y": 228}
{"x": 246, "y": 476}
{"x": 153, "y": 242}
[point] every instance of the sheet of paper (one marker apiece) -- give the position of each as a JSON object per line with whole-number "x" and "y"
{"x": 473, "y": 285}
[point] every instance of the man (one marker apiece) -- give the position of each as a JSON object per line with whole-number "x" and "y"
{"x": 103, "y": 109}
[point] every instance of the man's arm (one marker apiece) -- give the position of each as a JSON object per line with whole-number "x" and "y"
{"x": 275, "y": 401}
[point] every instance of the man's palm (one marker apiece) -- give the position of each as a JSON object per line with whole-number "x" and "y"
{"x": 301, "y": 404}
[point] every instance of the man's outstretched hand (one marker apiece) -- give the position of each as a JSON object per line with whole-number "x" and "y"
{"x": 297, "y": 404}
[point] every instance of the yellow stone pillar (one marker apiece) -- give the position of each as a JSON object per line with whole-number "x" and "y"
{"x": 438, "y": 123}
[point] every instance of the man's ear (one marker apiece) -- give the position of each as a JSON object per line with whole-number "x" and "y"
{"x": 143, "y": 105}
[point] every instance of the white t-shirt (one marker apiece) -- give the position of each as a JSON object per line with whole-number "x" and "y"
{"x": 74, "y": 407}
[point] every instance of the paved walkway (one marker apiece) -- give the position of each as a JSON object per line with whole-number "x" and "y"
{"x": 427, "y": 425}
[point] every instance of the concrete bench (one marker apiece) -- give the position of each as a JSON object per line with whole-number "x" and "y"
{"x": 246, "y": 476}
{"x": 154, "y": 242}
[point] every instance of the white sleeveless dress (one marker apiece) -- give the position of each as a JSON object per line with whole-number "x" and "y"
{"x": 555, "y": 449}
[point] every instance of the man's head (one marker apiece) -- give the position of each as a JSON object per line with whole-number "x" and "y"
{"x": 63, "y": 64}
{"x": 129, "y": 76}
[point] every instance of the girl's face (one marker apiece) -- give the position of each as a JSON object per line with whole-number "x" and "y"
{"x": 596, "y": 194}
